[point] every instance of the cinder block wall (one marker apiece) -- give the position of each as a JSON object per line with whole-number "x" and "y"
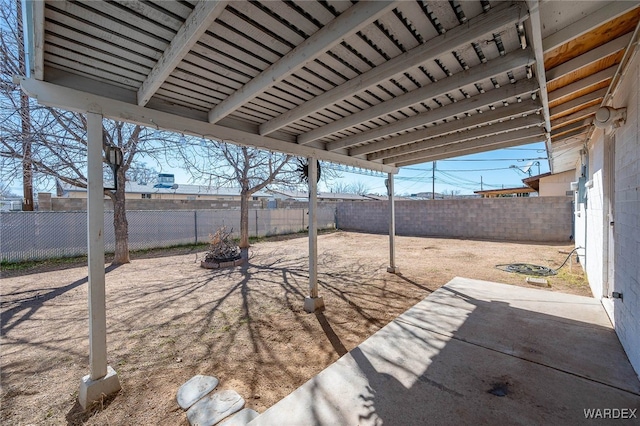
{"x": 60, "y": 204}
{"x": 511, "y": 219}
{"x": 626, "y": 315}
{"x": 75, "y": 204}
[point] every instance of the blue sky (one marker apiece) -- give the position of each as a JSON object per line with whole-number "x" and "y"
{"x": 496, "y": 169}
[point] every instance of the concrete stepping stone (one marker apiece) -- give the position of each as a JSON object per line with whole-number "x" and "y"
{"x": 241, "y": 418}
{"x": 213, "y": 408}
{"x": 194, "y": 389}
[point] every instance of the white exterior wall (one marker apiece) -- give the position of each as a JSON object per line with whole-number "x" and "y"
{"x": 595, "y": 217}
{"x": 591, "y": 222}
{"x": 627, "y": 215}
{"x": 556, "y": 185}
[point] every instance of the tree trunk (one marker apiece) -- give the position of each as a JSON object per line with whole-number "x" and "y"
{"x": 120, "y": 224}
{"x": 244, "y": 219}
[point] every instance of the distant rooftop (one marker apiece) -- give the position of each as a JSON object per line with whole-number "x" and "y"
{"x": 182, "y": 189}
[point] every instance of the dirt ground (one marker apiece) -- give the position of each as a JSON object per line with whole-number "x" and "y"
{"x": 168, "y": 319}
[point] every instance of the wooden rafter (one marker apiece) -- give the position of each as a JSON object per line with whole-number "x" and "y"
{"x": 590, "y": 32}
{"x": 497, "y": 66}
{"x": 417, "y": 149}
{"x": 490, "y": 143}
{"x": 496, "y": 96}
{"x": 349, "y": 22}
{"x": 203, "y": 15}
{"x": 415, "y": 141}
{"x": 482, "y": 26}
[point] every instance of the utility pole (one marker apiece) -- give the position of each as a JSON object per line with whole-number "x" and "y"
{"x": 481, "y": 183}
{"x": 25, "y": 116}
{"x": 433, "y": 181}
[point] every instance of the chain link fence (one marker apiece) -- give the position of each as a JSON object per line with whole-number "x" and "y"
{"x": 44, "y": 235}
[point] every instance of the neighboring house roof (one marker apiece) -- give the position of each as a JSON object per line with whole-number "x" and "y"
{"x": 377, "y": 197}
{"x": 181, "y": 189}
{"x": 286, "y": 194}
{"x": 534, "y": 181}
{"x": 506, "y": 191}
{"x": 304, "y": 196}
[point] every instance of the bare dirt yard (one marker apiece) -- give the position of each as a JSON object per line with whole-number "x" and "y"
{"x": 169, "y": 319}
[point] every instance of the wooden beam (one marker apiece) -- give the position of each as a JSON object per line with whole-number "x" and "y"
{"x": 438, "y": 135}
{"x": 572, "y": 118}
{"x": 490, "y": 69}
{"x": 63, "y": 97}
{"x": 456, "y": 138}
{"x": 577, "y": 102}
{"x": 579, "y": 125}
{"x": 495, "y": 96}
{"x": 34, "y": 11}
{"x": 477, "y": 28}
{"x": 571, "y": 134}
{"x": 534, "y": 27}
{"x": 349, "y": 22}
{"x": 201, "y": 18}
{"x": 589, "y": 58}
{"x": 580, "y": 85}
{"x": 561, "y": 146}
{"x": 611, "y": 11}
{"x": 475, "y": 146}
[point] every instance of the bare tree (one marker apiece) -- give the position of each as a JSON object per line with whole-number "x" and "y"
{"x": 47, "y": 144}
{"x": 140, "y": 172}
{"x": 357, "y": 187}
{"x": 14, "y": 63}
{"x": 250, "y": 169}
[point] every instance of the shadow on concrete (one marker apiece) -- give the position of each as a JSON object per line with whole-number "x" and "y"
{"x": 465, "y": 356}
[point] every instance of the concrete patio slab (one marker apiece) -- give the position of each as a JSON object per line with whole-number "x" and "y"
{"x": 552, "y": 356}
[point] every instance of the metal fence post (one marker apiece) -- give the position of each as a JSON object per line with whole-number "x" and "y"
{"x": 195, "y": 224}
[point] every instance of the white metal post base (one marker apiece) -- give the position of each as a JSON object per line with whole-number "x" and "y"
{"x": 93, "y": 390}
{"x": 393, "y": 270}
{"x": 312, "y": 304}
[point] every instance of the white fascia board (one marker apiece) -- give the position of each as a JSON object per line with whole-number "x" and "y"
{"x": 494, "y": 96}
{"x": 406, "y": 142}
{"x": 534, "y": 28}
{"x": 588, "y": 23}
{"x": 503, "y": 64}
{"x": 477, "y": 28}
{"x": 202, "y": 17}
{"x": 349, "y": 22}
{"x": 474, "y": 147}
{"x": 456, "y": 138}
{"x": 63, "y": 97}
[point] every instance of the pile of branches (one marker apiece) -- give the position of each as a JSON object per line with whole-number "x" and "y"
{"x": 222, "y": 248}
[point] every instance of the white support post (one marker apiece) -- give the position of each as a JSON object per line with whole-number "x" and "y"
{"x": 102, "y": 379}
{"x": 313, "y": 302}
{"x": 392, "y": 227}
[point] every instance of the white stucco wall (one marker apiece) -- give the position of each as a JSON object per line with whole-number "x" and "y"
{"x": 595, "y": 216}
{"x": 590, "y": 220}
{"x": 557, "y": 184}
{"x": 627, "y": 215}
